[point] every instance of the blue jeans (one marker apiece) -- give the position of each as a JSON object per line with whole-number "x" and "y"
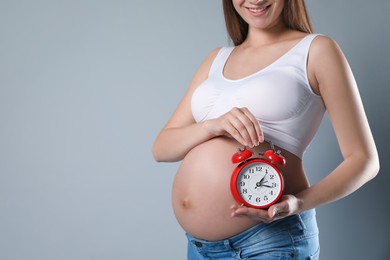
{"x": 294, "y": 237}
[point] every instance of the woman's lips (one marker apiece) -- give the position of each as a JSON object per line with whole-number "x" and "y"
{"x": 258, "y": 10}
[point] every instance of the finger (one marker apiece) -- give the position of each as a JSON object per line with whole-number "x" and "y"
{"x": 275, "y": 213}
{"x": 232, "y": 131}
{"x": 258, "y": 132}
{"x": 242, "y": 131}
{"x": 233, "y": 125}
{"x": 278, "y": 210}
{"x": 250, "y": 124}
{"x": 245, "y": 124}
{"x": 256, "y": 214}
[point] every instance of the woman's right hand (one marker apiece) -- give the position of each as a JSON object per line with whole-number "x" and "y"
{"x": 238, "y": 123}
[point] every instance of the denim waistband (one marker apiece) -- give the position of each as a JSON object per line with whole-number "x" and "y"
{"x": 276, "y": 226}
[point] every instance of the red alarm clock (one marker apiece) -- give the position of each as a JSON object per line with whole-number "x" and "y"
{"x": 257, "y": 182}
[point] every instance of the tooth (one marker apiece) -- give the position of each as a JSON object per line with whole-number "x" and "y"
{"x": 258, "y": 9}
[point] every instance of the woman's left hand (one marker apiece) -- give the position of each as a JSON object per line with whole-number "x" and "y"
{"x": 287, "y": 205}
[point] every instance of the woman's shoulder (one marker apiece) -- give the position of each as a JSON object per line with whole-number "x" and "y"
{"x": 325, "y": 53}
{"x": 323, "y": 44}
{"x": 203, "y": 70}
{"x": 218, "y": 50}
{"x": 213, "y": 54}
{"x": 325, "y": 58}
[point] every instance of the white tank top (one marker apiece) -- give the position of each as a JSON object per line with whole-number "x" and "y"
{"x": 279, "y": 96}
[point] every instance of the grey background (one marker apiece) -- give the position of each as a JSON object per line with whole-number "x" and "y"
{"x": 85, "y": 86}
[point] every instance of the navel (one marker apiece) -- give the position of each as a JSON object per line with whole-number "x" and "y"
{"x": 185, "y": 203}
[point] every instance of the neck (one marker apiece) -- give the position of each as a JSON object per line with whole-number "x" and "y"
{"x": 259, "y": 37}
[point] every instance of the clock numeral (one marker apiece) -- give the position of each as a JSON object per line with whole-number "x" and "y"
{"x": 273, "y": 185}
{"x": 244, "y": 191}
{"x": 265, "y": 198}
{"x": 251, "y": 170}
{"x": 246, "y": 176}
{"x": 259, "y": 169}
{"x": 272, "y": 176}
{"x": 249, "y": 197}
{"x": 258, "y": 199}
{"x": 242, "y": 183}
{"x": 271, "y": 193}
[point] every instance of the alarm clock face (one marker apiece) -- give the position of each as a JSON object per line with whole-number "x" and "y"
{"x": 259, "y": 184}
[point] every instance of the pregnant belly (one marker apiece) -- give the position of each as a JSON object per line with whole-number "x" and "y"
{"x": 201, "y": 194}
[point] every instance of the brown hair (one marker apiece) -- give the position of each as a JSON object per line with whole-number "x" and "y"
{"x": 294, "y": 15}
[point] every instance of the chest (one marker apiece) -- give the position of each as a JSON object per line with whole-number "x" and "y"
{"x": 273, "y": 94}
{"x": 242, "y": 63}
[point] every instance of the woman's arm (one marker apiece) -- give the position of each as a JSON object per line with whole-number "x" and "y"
{"x": 182, "y": 133}
{"x": 331, "y": 77}
{"x": 339, "y": 91}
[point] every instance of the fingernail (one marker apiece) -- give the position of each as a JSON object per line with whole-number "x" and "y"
{"x": 261, "y": 139}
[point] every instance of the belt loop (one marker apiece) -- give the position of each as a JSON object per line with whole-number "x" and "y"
{"x": 227, "y": 244}
{"x": 301, "y": 222}
{"x": 236, "y": 252}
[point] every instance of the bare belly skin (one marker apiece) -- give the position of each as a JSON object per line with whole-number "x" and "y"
{"x": 201, "y": 194}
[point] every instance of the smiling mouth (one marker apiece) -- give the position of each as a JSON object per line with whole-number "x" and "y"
{"x": 258, "y": 9}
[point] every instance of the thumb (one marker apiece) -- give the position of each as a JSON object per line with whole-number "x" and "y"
{"x": 273, "y": 211}
{"x": 277, "y": 209}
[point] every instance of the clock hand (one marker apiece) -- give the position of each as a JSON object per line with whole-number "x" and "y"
{"x": 261, "y": 183}
{"x": 268, "y": 186}
{"x": 262, "y": 179}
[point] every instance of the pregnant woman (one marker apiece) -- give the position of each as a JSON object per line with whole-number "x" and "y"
{"x": 274, "y": 85}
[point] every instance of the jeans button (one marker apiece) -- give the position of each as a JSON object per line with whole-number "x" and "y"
{"x": 198, "y": 244}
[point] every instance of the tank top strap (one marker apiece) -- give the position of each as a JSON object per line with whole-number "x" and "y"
{"x": 302, "y": 48}
{"x": 220, "y": 59}
{"x": 300, "y": 56}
